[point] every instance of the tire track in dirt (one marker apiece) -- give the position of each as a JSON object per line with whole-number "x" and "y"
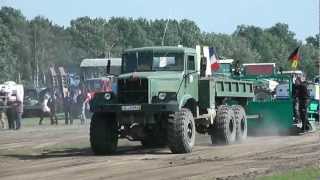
{"x": 63, "y": 152}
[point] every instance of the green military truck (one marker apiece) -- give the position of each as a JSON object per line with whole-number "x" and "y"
{"x": 161, "y": 99}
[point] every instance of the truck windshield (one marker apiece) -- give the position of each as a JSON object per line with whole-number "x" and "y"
{"x": 152, "y": 61}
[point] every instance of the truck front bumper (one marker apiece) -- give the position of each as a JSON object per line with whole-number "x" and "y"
{"x": 136, "y": 108}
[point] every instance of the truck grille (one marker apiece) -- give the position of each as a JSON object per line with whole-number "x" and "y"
{"x": 132, "y": 91}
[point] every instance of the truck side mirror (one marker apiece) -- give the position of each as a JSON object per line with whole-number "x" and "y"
{"x": 203, "y": 66}
{"x": 108, "y": 66}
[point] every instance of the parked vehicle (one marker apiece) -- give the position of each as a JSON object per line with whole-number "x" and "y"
{"x": 32, "y": 102}
{"x": 97, "y": 75}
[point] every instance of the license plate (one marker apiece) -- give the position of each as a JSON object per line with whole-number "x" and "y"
{"x": 131, "y": 108}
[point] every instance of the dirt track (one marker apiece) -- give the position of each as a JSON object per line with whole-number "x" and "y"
{"x": 63, "y": 152}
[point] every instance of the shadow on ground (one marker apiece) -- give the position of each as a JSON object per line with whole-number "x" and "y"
{"x": 78, "y": 152}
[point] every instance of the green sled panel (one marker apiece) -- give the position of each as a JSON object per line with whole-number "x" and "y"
{"x": 272, "y": 115}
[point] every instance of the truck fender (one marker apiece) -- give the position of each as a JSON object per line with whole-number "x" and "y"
{"x": 184, "y": 100}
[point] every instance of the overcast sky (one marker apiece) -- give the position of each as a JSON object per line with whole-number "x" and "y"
{"x": 221, "y": 16}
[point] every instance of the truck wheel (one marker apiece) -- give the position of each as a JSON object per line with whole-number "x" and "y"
{"x": 241, "y": 122}
{"x": 224, "y": 129}
{"x": 103, "y": 133}
{"x": 181, "y": 131}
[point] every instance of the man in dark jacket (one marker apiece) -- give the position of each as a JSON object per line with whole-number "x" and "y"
{"x": 52, "y": 104}
{"x": 11, "y": 115}
{"x": 67, "y": 109}
{"x": 302, "y": 95}
{"x": 3, "y": 104}
{"x": 18, "y": 107}
{"x": 296, "y": 113}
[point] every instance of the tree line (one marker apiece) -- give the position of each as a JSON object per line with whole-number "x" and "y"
{"x": 28, "y": 46}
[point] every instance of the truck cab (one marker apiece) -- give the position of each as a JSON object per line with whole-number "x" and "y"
{"x": 158, "y": 75}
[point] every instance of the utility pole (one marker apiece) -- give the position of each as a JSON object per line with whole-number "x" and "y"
{"x": 103, "y": 38}
{"x": 19, "y": 78}
{"x": 35, "y": 61}
{"x": 318, "y": 63}
{"x": 164, "y": 33}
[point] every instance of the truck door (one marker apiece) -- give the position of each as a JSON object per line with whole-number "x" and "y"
{"x": 191, "y": 81}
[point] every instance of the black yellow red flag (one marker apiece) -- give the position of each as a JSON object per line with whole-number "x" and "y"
{"x": 294, "y": 58}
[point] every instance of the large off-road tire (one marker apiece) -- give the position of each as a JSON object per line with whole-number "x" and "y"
{"x": 103, "y": 133}
{"x": 241, "y": 122}
{"x": 224, "y": 129}
{"x": 181, "y": 131}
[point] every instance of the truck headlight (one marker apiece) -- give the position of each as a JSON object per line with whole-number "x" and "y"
{"x": 107, "y": 96}
{"x": 162, "y": 96}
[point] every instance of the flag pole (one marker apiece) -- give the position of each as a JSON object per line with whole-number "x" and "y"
{"x": 318, "y": 63}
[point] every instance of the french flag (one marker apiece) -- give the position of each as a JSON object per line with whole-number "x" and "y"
{"x": 213, "y": 59}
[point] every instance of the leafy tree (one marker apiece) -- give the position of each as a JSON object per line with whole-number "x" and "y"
{"x": 7, "y": 58}
{"x": 313, "y": 41}
{"x": 190, "y": 33}
{"x": 16, "y": 46}
{"x": 231, "y": 47}
{"x": 24, "y": 44}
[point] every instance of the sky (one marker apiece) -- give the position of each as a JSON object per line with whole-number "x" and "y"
{"x": 219, "y": 16}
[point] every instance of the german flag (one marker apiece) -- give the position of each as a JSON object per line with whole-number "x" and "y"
{"x": 294, "y": 58}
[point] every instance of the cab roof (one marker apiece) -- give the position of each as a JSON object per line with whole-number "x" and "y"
{"x": 100, "y": 62}
{"x": 163, "y": 49}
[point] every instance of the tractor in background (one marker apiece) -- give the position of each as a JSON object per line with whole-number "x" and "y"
{"x": 272, "y": 109}
{"x": 32, "y": 101}
{"x": 97, "y": 75}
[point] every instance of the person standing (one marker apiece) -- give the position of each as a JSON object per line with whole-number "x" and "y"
{"x": 302, "y": 95}
{"x": 45, "y": 110}
{"x": 18, "y": 111}
{"x": 10, "y": 115}
{"x": 2, "y": 121}
{"x": 74, "y": 110}
{"x": 52, "y": 104}
{"x": 237, "y": 68}
{"x": 17, "y": 108}
{"x": 67, "y": 109}
{"x": 3, "y": 104}
{"x": 80, "y": 106}
{"x": 296, "y": 113}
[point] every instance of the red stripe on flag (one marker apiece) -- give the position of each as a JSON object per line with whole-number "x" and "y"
{"x": 215, "y": 66}
{"x": 295, "y": 57}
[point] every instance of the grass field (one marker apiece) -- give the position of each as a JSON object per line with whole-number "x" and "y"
{"x": 303, "y": 174}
